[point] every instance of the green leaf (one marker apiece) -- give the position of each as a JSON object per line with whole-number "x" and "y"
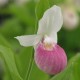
{"x": 23, "y": 60}
{"x": 4, "y": 42}
{"x": 22, "y": 14}
{"x": 72, "y": 72}
{"x": 11, "y": 28}
{"x": 37, "y": 74}
{"x": 9, "y": 60}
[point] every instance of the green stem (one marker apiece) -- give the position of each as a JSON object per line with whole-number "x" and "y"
{"x": 30, "y": 66}
{"x": 32, "y": 56}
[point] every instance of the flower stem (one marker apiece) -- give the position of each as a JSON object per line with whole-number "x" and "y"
{"x": 32, "y": 56}
{"x": 30, "y": 66}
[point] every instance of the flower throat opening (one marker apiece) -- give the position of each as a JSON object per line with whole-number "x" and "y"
{"x": 48, "y": 43}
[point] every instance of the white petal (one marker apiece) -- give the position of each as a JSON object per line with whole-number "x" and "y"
{"x": 53, "y": 36}
{"x": 28, "y": 40}
{"x": 51, "y": 21}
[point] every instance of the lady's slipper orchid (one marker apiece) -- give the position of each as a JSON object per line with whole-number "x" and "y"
{"x": 48, "y": 56}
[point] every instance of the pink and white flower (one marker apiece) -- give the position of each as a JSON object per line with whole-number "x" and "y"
{"x": 48, "y": 56}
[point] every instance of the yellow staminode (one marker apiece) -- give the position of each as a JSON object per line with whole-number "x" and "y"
{"x": 48, "y": 43}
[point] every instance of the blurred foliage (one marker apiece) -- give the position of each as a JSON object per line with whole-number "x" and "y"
{"x": 16, "y": 20}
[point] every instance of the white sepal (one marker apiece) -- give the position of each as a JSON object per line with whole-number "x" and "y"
{"x": 51, "y": 21}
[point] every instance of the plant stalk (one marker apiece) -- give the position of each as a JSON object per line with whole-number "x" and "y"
{"x": 30, "y": 66}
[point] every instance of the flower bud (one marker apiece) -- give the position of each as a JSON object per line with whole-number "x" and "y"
{"x": 50, "y": 61}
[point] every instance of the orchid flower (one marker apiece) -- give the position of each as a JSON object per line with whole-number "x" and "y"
{"x": 48, "y": 56}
